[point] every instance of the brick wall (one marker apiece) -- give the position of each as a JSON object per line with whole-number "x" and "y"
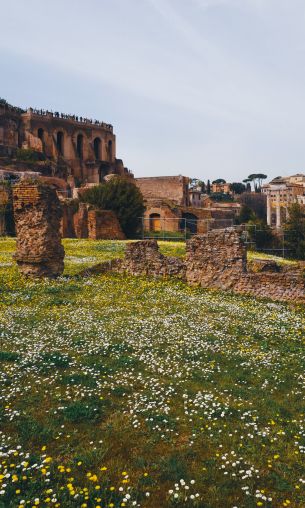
{"x": 4, "y": 201}
{"x": 37, "y": 213}
{"x": 104, "y": 225}
{"x": 174, "y": 188}
{"x": 216, "y": 260}
{"x": 144, "y": 258}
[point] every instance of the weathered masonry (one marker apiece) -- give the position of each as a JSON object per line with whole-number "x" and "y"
{"x": 82, "y": 150}
{"x": 37, "y": 211}
{"x": 215, "y": 260}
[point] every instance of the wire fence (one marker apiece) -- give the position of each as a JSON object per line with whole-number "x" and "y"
{"x": 181, "y": 229}
{"x": 176, "y": 229}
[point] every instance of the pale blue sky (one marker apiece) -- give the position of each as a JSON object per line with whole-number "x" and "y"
{"x": 205, "y": 88}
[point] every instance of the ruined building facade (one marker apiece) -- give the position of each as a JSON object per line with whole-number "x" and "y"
{"x": 170, "y": 207}
{"x": 84, "y": 150}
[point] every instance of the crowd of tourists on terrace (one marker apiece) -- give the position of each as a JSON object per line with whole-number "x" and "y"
{"x": 75, "y": 118}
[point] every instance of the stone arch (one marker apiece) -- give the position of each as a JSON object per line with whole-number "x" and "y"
{"x": 189, "y": 222}
{"x": 60, "y": 139}
{"x": 40, "y": 134}
{"x": 155, "y": 222}
{"x": 80, "y": 145}
{"x": 97, "y": 147}
{"x": 110, "y": 150}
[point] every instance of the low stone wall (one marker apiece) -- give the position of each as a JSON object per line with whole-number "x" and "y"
{"x": 144, "y": 258}
{"x": 216, "y": 260}
{"x": 276, "y": 286}
{"x": 37, "y": 213}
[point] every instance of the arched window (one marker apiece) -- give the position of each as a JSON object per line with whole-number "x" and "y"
{"x": 40, "y": 133}
{"x": 60, "y": 142}
{"x": 79, "y": 145}
{"x": 155, "y": 222}
{"x": 97, "y": 148}
{"x": 110, "y": 150}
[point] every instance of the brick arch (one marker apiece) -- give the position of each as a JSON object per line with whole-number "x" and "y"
{"x": 154, "y": 221}
{"x": 189, "y": 221}
{"x": 60, "y": 141}
{"x": 97, "y": 147}
{"x": 80, "y": 143}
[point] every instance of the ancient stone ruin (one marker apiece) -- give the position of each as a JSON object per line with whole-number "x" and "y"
{"x": 214, "y": 260}
{"x": 217, "y": 259}
{"x": 104, "y": 224}
{"x": 88, "y": 221}
{"x": 144, "y": 258}
{"x": 37, "y": 212}
{"x": 4, "y": 200}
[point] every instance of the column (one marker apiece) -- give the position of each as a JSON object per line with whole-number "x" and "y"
{"x": 278, "y": 212}
{"x": 269, "y": 211}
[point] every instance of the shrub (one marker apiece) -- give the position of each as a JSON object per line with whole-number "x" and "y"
{"x": 29, "y": 155}
{"x": 295, "y": 231}
{"x": 122, "y": 197}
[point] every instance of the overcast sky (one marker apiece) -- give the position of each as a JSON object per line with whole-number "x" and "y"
{"x": 203, "y": 88}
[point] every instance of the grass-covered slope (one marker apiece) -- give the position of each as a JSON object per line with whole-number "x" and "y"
{"x": 120, "y": 391}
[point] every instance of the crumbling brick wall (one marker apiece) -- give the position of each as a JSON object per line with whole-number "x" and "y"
{"x": 37, "y": 212}
{"x": 216, "y": 259}
{"x": 276, "y": 286}
{"x": 74, "y": 221}
{"x": 81, "y": 221}
{"x": 4, "y": 201}
{"x": 104, "y": 225}
{"x": 144, "y": 258}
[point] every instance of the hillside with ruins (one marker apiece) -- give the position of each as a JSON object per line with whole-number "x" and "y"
{"x": 152, "y": 254}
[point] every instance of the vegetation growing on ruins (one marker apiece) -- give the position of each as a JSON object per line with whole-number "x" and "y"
{"x": 121, "y": 196}
{"x": 120, "y": 391}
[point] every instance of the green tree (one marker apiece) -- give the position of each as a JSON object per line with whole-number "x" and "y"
{"x": 246, "y": 214}
{"x": 261, "y": 234}
{"x": 237, "y": 187}
{"x": 295, "y": 231}
{"x": 257, "y": 179}
{"x": 121, "y": 196}
{"x": 208, "y": 187}
{"x": 221, "y": 196}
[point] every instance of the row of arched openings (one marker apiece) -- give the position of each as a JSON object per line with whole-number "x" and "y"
{"x": 97, "y": 145}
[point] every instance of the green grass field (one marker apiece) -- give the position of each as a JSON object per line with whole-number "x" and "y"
{"x": 122, "y": 391}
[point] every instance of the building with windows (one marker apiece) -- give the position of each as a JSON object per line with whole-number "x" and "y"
{"x": 82, "y": 150}
{"x": 221, "y": 188}
{"x": 172, "y": 207}
{"x": 281, "y": 193}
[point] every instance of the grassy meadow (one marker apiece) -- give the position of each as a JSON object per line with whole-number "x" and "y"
{"x": 118, "y": 391}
